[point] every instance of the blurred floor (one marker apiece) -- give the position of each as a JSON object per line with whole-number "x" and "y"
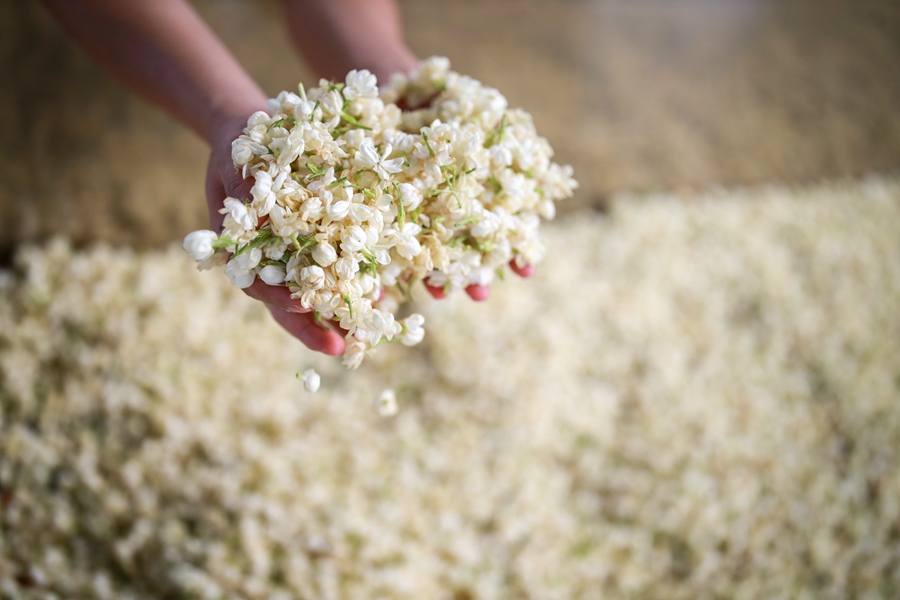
{"x": 637, "y": 94}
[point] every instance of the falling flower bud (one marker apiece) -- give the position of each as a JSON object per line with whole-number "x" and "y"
{"x": 272, "y": 274}
{"x": 199, "y": 244}
{"x": 311, "y": 380}
{"x": 386, "y": 404}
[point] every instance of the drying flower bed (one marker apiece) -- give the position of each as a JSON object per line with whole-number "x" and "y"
{"x": 715, "y": 417}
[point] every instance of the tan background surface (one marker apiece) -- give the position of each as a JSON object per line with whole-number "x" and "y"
{"x": 638, "y": 94}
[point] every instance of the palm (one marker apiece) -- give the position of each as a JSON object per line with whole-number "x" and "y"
{"x": 222, "y": 180}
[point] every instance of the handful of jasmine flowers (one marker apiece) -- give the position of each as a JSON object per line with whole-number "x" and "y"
{"x": 356, "y": 200}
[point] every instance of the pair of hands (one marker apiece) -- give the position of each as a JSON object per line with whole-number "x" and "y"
{"x": 164, "y": 52}
{"x": 224, "y": 180}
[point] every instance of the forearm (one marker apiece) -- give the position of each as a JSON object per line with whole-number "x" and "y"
{"x": 336, "y": 36}
{"x": 164, "y": 52}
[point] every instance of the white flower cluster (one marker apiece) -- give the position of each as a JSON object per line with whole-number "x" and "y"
{"x": 356, "y": 200}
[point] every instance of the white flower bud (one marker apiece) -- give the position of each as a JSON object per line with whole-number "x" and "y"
{"x": 372, "y": 235}
{"x": 242, "y": 151}
{"x": 260, "y": 117}
{"x": 354, "y": 352}
{"x": 240, "y": 268}
{"x": 360, "y": 212}
{"x": 386, "y": 404}
{"x": 384, "y": 323}
{"x": 501, "y": 156}
{"x": 410, "y": 195}
{"x": 241, "y": 215}
{"x": 313, "y": 276}
{"x": 360, "y": 84}
{"x": 199, "y": 244}
{"x": 346, "y": 267}
{"x": 408, "y": 245}
{"x": 272, "y": 274}
{"x": 311, "y": 380}
{"x": 414, "y": 333}
{"x": 263, "y": 186}
{"x": 338, "y": 210}
{"x": 324, "y": 254}
{"x": 547, "y": 209}
{"x": 353, "y": 239}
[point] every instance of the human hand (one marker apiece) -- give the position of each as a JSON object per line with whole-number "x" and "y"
{"x": 224, "y": 180}
{"x": 335, "y": 36}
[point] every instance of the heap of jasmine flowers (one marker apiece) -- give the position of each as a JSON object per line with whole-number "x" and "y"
{"x": 356, "y": 200}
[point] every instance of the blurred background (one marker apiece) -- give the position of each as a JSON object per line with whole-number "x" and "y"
{"x": 640, "y": 95}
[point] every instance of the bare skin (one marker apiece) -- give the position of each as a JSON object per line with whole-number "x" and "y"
{"x": 163, "y": 51}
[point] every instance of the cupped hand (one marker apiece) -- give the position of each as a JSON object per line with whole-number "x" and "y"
{"x": 224, "y": 180}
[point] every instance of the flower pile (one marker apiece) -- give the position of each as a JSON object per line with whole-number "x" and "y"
{"x": 722, "y": 422}
{"x": 356, "y": 200}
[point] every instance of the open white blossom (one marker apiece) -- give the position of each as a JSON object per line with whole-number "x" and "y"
{"x": 350, "y": 193}
{"x": 368, "y": 157}
{"x": 238, "y": 211}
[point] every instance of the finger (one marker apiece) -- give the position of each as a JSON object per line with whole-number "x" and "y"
{"x": 404, "y": 104}
{"x": 215, "y": 198}
{"x": 235, "y": 184}
{"x": 275, "y": 295}
{"x": 436, "y": 291}
{"x": 335, "y": 325}
{"x": 478, "y": 293}
{"x": 525, "y": 271}
{"x": 306, "y": 329}
{"x": 223, "y": 181}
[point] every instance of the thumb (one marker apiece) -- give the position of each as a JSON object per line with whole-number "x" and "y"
{"x": 234, "y": 183}
{"x": 223, "y": 181}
